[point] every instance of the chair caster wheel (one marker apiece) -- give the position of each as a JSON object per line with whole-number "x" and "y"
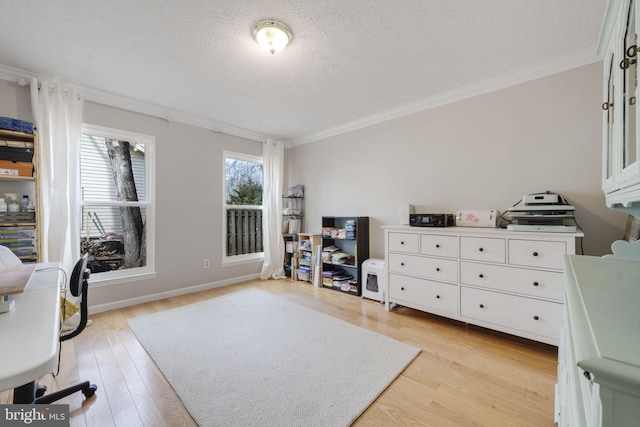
{"x": 40, "y": 390}
{"x": 89, "y": 391}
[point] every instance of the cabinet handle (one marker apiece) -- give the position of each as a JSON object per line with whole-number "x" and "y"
{"x": 481, "y": 249}
{"x": 632, "y": 50}
{"x": 626, "y": 63}
{"x": 535, "y": 254}
{"x": 481, "y": 275}
{"x": 481, "y": 305}
{"x": 587, "y": 375}
{"x": 607, "y": 105}
{"x": 535, "y": 283}
{"x": 536, "y": 318}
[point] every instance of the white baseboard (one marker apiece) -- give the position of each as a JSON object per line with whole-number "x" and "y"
{"x": 168, "y": 294}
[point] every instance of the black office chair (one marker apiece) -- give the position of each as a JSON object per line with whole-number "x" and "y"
{"x": 35, "y": 393}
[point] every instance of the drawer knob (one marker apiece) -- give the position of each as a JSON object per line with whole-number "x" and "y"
{"x": 481, "y": 249}
{"x": 481, "y": 305}
{"x": 402, "y": 288}
{"x": 437, "y": 296}
{"x": 536, "y": 283}
{"x": 402, "y": 264}
{"x": 536, "y": 318}
{"x": 481, "y": 275}
{"x": 437, "y": 268}
{"x": 587, "y": 375}
{"x": 402, "y": 242}
{"x": 535, "y": 254}
{"x": 437, "y": 246}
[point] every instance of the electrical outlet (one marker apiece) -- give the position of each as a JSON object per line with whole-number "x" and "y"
{"x": 207, "y": 263}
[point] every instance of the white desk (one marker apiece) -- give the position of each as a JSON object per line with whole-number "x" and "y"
{"x": 30, "y": 333}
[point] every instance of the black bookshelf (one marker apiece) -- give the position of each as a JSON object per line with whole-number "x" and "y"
{"x": 350, "y": 236}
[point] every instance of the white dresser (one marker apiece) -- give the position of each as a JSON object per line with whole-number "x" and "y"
{"x": 504, "y": 280}
{"x": 599, "y": 356}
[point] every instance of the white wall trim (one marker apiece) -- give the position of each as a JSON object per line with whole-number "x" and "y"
{"x": 94, "y": 95}
{"x": 543, "y": 69}
{"x": 168, "y": 294}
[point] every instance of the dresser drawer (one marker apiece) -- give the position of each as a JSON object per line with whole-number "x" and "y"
{"x": 445, "y": 246}
{"x": 403, "y": 242}
{"x": 520, "y": 313}
{"x": 423, "y": 294}
{"x": 534, "y": 253}
{"x": 535, "y": 283}
{"x": 445, "y": 270}
{"x": 483, "y": 249}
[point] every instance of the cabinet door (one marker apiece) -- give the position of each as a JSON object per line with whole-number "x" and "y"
{"x": 608, "y": 129}
{"x": 629, "y": 167}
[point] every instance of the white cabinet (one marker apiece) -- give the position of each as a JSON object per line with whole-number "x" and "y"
{"x": 621, "y": 145}
{"x": 599, "y": 354}
{"x": 504, "y": 280}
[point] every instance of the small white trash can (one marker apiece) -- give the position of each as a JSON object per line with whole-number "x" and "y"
{"x": 373, "y": 279}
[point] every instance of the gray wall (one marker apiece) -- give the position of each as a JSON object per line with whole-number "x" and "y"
{"x": 484, "y": 152}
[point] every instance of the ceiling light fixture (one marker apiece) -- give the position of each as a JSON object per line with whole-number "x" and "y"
{"x": 272, "y": 35}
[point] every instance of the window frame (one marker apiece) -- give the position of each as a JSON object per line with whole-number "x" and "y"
{"x": 229, "y": 260}
{"x": 148, "y": 271}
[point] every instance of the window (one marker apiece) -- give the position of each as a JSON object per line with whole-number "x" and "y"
{"x": 117, "y": 187}
{"x": 242, "y": 207}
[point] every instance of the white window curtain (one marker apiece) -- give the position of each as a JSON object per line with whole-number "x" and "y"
{"x": 273, "y": 169}
{"x": 57, "y": 112}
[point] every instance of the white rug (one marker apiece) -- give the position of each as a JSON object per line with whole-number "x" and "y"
{"x": 253, "y": 359}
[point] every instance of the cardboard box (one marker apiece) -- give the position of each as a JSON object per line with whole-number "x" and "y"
{"x": 8, "y": 167}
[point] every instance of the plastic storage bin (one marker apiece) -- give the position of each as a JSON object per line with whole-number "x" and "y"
{"x": 374, "y": 279}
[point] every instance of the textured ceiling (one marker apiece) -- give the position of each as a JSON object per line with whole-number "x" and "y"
{"x": 349, "y": 59}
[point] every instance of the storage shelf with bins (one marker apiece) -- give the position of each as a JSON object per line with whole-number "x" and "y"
{"x": 307, "y": 254}
{"x": 19, "y": 231}
{"x": 292, "y": 217}
{"x": 345, "y": 246}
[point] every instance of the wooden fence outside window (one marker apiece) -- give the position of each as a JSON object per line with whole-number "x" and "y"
{"x": 244, "y": 231}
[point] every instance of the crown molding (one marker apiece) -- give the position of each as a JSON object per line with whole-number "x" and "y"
{"x": 544, "y": 69}
{"x": 23, "y": 78}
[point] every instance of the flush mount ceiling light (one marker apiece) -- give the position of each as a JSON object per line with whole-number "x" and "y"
{"x": 272, "y": 35}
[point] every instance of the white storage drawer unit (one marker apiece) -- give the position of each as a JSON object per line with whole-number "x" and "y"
{"x": 509, "y": 281}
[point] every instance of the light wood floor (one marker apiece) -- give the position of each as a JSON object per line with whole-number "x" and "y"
{"x": 464, "y": 376}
